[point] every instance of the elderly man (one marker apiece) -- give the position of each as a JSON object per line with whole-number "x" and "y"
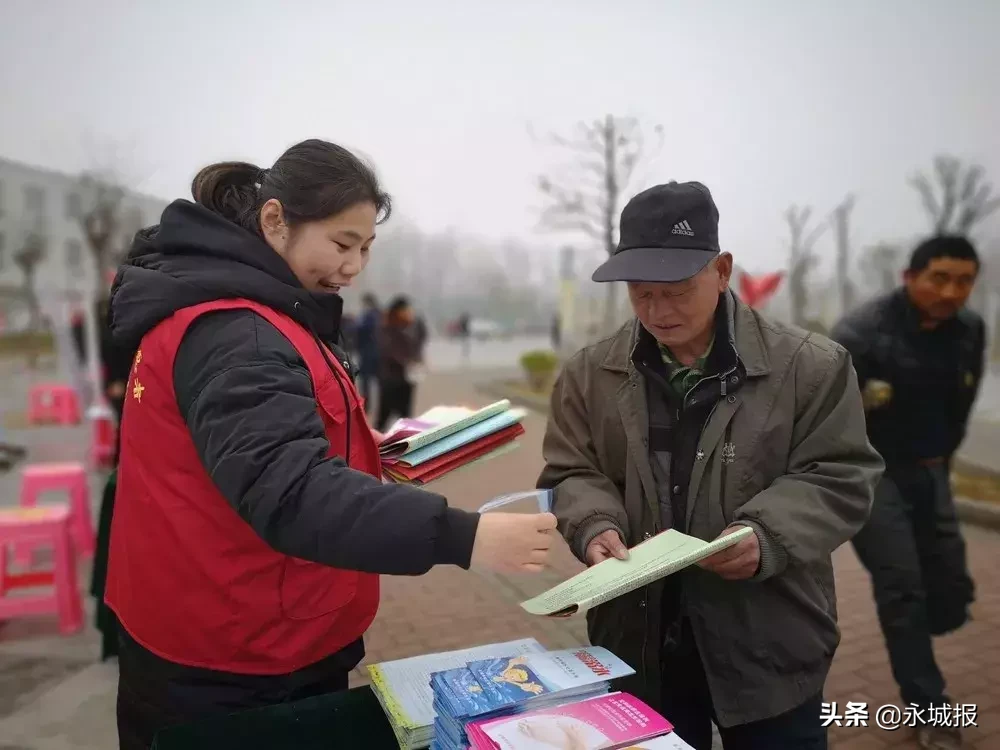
{"x": 702, "y": 416}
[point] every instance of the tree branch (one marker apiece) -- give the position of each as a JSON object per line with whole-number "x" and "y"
{"x": 966, "y": 198}
{"x": 603, "y": 155}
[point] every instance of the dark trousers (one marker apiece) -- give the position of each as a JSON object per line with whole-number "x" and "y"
{"x": 105, "y": 618}
{"x": 913, "y": 549}
{"x": 366, "y": 389}
{"x": 687, "y": 704}
{"x": 395, "y": 399}
{"x": 154, "y": 694}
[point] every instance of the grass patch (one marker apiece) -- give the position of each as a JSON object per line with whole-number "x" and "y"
{"x": 26, "y": 344}
{"x": 16, "y": 420}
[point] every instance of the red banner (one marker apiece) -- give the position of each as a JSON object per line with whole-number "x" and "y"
{"x": 756, "y": 291}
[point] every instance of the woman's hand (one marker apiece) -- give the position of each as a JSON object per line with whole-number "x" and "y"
{"x": 513, "y": 542}
{"x": 379, "y": 436}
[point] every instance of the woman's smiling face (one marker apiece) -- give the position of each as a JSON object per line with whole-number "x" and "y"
{"x": 324, "y": 255}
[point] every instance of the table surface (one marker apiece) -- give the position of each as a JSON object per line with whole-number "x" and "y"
{"x": 348, "y": 719}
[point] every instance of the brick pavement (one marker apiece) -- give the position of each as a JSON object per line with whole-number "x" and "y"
{"x": 451, "y": 608}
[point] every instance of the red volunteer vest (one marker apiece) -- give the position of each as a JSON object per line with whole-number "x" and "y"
{"x": 188, "y": 578}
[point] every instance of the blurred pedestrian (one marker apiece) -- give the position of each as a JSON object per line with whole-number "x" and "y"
{"x": 399, "y": 354}
{"x": 464, "y": 332}
{"x": 116, "y": 365}
{"x": 919, "y": 353}
{"x": 366, "y": 339}
{"x": 420, "y": 335}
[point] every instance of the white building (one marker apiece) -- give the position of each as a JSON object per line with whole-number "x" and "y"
{"x": 47, "y": 203}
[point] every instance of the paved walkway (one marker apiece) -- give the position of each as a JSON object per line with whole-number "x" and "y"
{"x": 71, "y": 701}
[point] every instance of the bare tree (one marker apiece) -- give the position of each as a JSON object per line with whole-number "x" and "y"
{"x": 102, "y": 220}
{"x": 801, "y": 260}
{"x": 962, "y": 198}
{"x": 840, "y": 219}
{"x": 131, "y": 223}
{"x": 585, "y": 198}
{"x": 28, "y": 257}
{"x": 881, "y": 263}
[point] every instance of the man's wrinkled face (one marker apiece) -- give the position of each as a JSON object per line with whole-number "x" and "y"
{"x": 676, "y": 314}
{"x": 941, "y": 289}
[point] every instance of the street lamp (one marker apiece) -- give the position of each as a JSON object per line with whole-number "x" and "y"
{"x": 567, "y": 298}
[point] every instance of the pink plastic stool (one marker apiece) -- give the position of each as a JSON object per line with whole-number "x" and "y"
{"x": 72, "y": 478}
{"x": 53, "y": 403}
{"x": 42, "y": 525}
{"x": 104, "y": 438}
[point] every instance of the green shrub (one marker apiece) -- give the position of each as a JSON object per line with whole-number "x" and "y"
{"x": 540, "y": 368}
{"x": 31, "y": 343}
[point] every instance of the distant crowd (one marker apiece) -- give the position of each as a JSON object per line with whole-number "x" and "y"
{"x": 388, "y": 348}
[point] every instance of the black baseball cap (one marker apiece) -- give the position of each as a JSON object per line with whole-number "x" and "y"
{"x": 667, "y": 233}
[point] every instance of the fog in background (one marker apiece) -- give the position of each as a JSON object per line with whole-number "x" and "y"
{"x": 770, "y": 103}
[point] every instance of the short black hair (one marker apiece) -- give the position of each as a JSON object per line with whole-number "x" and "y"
{"x": 942, "y": 246}
{"x": 369, "y": 299}
{"x": 399, "y": 304}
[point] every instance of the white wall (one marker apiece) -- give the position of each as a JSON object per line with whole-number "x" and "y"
{"x": 31, "y": 199}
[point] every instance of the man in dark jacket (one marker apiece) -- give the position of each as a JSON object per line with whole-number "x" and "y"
{"x": 399, "y": 353}
{"x": 366, "y": 341}
{"x": 919, "y": 353}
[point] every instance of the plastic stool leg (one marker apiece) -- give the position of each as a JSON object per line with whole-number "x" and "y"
{"x": 67, "y": 586}
{"x": 24, "y": 551}
{"x": 83, "y": 525}
{"x": 3, "y": 569}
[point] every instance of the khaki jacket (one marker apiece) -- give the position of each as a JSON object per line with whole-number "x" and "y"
{"x": 797, "y": 467}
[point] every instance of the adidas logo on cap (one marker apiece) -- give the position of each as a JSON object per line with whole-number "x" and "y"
{"x": 682, "y": 227}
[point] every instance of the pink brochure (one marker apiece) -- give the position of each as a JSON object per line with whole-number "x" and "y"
{"x": 614, "y": 720}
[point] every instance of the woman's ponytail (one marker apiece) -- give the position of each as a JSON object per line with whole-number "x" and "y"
{"x": 230, "y": 189}
{"x": 312, "y": 180}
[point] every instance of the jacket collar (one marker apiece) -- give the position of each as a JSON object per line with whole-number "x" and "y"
{"x": 742, "y": 328}
{"x": 908, "y": 313}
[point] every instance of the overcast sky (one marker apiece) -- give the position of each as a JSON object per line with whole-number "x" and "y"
{"x": 767, "y": 102}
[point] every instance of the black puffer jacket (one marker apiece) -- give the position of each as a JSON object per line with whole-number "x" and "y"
{"x": 268, "y": 456}
{"x": 934, "y": 375}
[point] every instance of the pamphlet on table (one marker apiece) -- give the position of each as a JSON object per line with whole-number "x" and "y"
{"x": 403, "y": 686}
{"x": 517, "y": 696}
{"x": 655, "y": 558}
{"x": 513, "y": 684}
{"x": 604, "y": 722}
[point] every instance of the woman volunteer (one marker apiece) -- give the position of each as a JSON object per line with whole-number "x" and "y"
{"x": 250, "y": 521}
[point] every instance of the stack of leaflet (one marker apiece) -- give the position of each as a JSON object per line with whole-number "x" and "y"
{"x": 493, "y": 688}
{"x": 403, "y": 686}
{"x": 605, "y": 722}
{"x": 418, "y": 451}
